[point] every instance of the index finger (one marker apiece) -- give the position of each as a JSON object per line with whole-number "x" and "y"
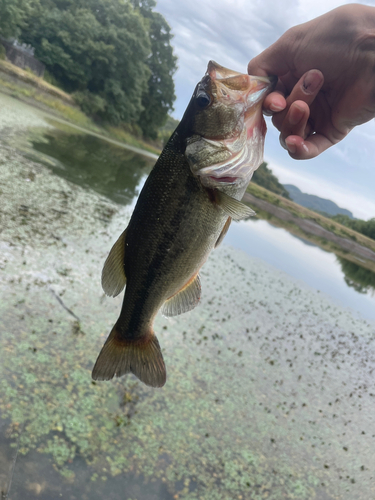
{"x": 306, "y": 89}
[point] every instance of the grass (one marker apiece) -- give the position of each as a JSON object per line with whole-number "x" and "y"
{"x": 305, "y": 213}
{"x": 26, "y": 86}
{"x": 29, "y": 93}
{"x": 31, "y": 79}
{"x": 323, "y": 243}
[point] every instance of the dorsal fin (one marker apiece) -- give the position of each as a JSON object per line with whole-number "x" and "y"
{"x": 113, "y": 274}
{"x": 232, "y": 207}
{"x": 223, "y": 232}
{"x": 184, "y": 300}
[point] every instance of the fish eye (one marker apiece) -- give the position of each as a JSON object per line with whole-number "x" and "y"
{"x": 203, "y": 100}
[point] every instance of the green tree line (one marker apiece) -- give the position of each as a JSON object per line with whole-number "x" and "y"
{"x": 115, "y": 56}
{"x": 264, "y": 177}
{"x": 361, "y": 226}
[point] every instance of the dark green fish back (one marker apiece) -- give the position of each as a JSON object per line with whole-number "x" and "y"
{"x": 173, "y": 225}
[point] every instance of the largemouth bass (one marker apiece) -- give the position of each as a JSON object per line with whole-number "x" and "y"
{"x": 183, "y": 212}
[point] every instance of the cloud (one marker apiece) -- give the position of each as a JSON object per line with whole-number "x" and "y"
{"x": 229, "y": 31}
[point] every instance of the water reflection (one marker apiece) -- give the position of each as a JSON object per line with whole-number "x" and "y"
{"x": 357, "y": 277}
{"x": 306, "y": 262}
{"x": 94, "y": 163}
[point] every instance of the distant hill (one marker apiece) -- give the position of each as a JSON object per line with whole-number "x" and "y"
{"x": 315, "y": 203}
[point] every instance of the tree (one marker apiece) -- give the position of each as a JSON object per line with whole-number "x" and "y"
{"x": 361, "y": 226}
{"x": 96, "y": 48}
{"x": 159, "y": 96}
{"x": 13, "y": 14}
{"x": 115, "y": 55}
{"x": 264, "y": 177}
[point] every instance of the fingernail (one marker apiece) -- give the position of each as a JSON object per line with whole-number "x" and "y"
{"x": 312, "y": 81}
{"x": 290, "y": 146}
{"x": 276, "y": 107}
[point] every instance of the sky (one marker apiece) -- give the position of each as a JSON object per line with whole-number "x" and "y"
{"x": 231, "y": 32}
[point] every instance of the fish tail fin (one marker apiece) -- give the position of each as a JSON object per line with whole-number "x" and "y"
{"x": 142, "y": 357}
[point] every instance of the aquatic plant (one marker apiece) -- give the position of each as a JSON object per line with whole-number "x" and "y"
{"x": 266, "y": 394}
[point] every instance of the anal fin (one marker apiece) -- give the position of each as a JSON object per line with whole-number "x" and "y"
{"x": 113, "y": 274}
{"x": 232, "y": 207}
{"x": 184, "y": 300}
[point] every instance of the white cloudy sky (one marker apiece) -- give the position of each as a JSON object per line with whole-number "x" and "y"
{"x": 231, "y": 32}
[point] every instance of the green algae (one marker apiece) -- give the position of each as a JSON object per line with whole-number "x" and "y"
{"x": 94, "y": 164}
{"x": 269, "y": 384}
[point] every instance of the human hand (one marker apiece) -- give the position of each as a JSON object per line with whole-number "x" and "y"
{"x": 312, "y": 111}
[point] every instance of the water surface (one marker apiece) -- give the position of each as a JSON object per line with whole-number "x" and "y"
{"x": 306, "y": 262}
{"x": 119, "y": 175}
{"x": 269, "y": 392}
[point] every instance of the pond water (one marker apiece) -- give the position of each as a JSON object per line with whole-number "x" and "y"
{"x": 304, "y": 261}
{"x": 119, "y": 174}
{"x": 269, "y": 391}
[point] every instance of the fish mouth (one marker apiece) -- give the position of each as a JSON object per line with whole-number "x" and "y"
{"x": 245, "y": 89}
{"x": 243, "y": 156}
{"x": 224, "y": 180}
{"x": 218, "y": 72}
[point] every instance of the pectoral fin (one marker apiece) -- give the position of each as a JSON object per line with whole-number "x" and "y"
{"x": 113, "y": 274}
{"x": 223, "y": 232}
{"x": 185, "y": 300}
{"x": 232, "y": 207}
